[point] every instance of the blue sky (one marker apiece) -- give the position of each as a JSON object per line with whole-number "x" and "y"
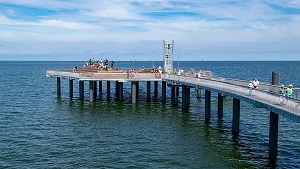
{"x": 213, "y": 29}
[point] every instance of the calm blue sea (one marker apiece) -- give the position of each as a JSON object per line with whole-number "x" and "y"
{"x": 40, "y": 130}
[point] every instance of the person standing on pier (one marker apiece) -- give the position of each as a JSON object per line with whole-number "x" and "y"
{"x": 281, "y": 93}
{"x": 250, "y": 86}
{"x": 112, "y": 64}
{"x": 289, "y": 92}
{"x": 255, "y": 83}
{"x": 92, "y": 61}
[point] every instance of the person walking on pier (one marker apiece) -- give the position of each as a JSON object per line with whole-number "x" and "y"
{"x": 255, "y": 83}
{"x": 250, "y": 86}
{"x": 281, "y": 92}
{"x": 289, "y": 92}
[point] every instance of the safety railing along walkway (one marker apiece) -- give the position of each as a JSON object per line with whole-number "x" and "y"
{"x": 265, "y": 96}
{"x": 85, "y": 76}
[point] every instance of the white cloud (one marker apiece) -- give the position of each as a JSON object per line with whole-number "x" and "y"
{"x": 62, "y": 24}
{"x": 98, "y": 25}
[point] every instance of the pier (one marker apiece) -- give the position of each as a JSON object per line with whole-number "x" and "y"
{"x": 265, "y": 97}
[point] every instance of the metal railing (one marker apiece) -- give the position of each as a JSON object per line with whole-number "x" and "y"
{"x": 263, "y": 86}
{"x": 64, "y": 74}
{"x": 236, "y": 88}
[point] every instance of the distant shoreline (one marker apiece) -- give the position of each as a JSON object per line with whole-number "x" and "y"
{"x": 155, "y": 61}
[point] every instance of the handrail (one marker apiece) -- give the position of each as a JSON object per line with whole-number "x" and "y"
{"x": 264, "y": 87}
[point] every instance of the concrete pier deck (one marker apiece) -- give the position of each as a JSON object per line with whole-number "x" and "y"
{"x": 96, "y": 74}
{"x": 265, "y": 97}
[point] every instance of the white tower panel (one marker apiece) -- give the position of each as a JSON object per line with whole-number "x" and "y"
{"x": 168, "y": 55}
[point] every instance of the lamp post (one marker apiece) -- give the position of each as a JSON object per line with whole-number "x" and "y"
{"x": 137, "y": 62}
{"x": 153, "y": 60}
{"x": 131, "y": 61}
{"x": 119, "y": 63}
{"x": 178, "y": 58}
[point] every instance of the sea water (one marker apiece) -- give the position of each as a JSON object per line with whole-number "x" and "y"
{"x": 41, "y": 130}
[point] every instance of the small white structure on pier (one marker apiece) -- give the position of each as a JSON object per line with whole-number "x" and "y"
{"x": 168, "y": 55}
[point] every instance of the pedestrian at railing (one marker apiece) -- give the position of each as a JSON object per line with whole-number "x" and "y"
{"x": 250, "y": 86}
{"x": 281, "y": 92}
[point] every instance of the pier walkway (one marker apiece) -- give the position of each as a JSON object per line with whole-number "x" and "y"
{"x": 266, "y": 97}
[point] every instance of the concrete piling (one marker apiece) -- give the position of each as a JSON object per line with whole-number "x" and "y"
{"x": 137, "y": 90}
{"x": 95, "y": 89}
{"x": 100, "y": 88}
{"x": 164, "y": 92}
{"x": 81, "y": 90}
{"x": 120, "y": 91}
{"x": 198, "y": 91}
{"x": 117, "y": 90}
{"x": 236, "y": 116}
{"x": 176, "y": 92}
{"x": 185, "y": 97}
{"x": 173, "y": 94}
{"x": 273, "y": 135}
{"x": 148, "y": 91}
{"x": 207, "y": 104}
{"x": 71, "y": 88}
{"x": 91, "y": 89}
{"x": 273, "y": 128}
{"x": 155, "y": 89}
{"x": 220, "y": 105}
{"x": 133, "y": 92}
{"x": 108, "y": 90}
{"x": 58, "y": 86}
